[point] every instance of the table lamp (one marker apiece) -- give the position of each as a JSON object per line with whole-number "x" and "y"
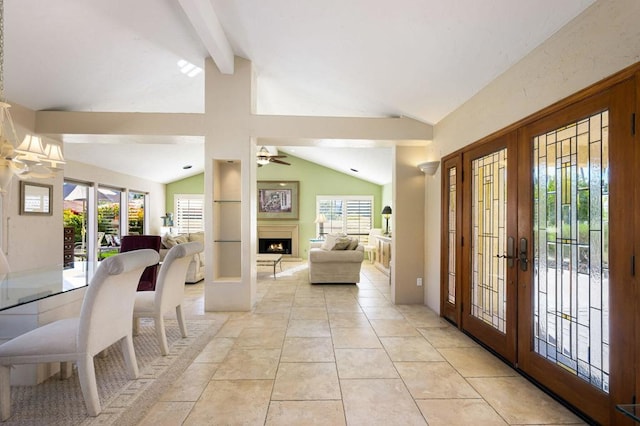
{"x": 386, "y": 213}
{"x": 320, "y": 220}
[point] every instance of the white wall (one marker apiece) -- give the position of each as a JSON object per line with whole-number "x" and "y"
{"x": 601, "y": 41}
{"x": 36, "y": 241}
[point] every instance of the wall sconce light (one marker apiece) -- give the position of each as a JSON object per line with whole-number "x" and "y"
{"x": 386, "y": 213}
{"x": 429, "y": 167}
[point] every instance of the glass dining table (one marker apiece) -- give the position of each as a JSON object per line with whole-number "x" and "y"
{"x": 34, "y": 297}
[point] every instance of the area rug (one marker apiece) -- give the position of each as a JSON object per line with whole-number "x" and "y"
{"x": 124, "y": 401}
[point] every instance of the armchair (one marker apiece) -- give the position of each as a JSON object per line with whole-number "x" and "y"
{"x": 137, "y": 242}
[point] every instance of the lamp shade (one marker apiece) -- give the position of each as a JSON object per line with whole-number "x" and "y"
{"x": 30, "y": 149}
{"x": 54, "y": 155}
{"x": 386, "y": 211}
{"x": 320, "y": 219}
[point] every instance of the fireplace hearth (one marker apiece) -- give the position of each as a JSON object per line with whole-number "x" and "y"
{"x": 278, "y": 239}
{"x": 274, "y": 245}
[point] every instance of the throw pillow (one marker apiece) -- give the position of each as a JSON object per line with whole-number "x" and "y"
{"x": 168, "y": 241}
{"x": 197, "y": 237}
{"x": 354, "y": 244}
{"x": 342, "y": 243}
{"x": 181, "y": 239}
{"x": 329, "y": 242}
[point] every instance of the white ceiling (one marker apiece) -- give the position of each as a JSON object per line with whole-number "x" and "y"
{"x": 414, "y": 58}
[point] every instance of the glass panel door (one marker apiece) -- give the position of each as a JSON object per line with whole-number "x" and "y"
{"x": 576, "y": 308}
{"x": 489, "y": 287}
{"x": 570, "y": 248}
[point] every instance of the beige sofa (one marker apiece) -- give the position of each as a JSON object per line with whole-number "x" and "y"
{"x": 195, "y": 272}
{"x": 336, "y": 265}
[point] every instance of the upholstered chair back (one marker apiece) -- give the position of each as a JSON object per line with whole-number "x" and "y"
{"x": 107, "y": 309}
{"x": 170, "y": 283}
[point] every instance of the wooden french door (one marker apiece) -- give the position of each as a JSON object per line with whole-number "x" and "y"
{"x": 489, "y": 229}
{"x": 451, "y": 285}
{"x": 576, "y": 304}
{"x": 539, "y": 231}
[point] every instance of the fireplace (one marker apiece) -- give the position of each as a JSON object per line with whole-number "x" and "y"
{"x": 281, "y": 239}
{"x": 274, "y": 245}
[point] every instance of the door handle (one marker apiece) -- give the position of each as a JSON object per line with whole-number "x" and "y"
{"x": 510, "y": 252}
{"x": 522, "y": 257}
{"x": 510, "y": 256}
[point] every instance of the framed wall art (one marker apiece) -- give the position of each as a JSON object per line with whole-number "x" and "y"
{"x": 278, "y": 199}
{"x": 35, "y": 198}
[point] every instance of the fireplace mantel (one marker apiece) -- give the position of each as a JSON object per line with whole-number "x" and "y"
{"x": 281, "y": 231}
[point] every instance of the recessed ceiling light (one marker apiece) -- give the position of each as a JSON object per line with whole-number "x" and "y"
{"x": 187, "y": 167}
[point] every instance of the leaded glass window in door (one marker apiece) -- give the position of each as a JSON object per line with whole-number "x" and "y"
{"x": 488, "y": 215}
{"x": 571, "y": 267}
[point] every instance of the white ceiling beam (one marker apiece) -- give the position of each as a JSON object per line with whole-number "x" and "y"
{"x": 205, "y": 21}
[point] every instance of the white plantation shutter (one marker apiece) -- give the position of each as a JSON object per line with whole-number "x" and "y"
{"x": 351, "y": 214}
{"x": 188, "y": 213}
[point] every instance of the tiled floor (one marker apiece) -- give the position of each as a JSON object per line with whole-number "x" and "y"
{"x": 343, "y": 354}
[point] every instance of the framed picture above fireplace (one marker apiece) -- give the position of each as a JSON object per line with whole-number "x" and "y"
{"x": 277, "y": 199}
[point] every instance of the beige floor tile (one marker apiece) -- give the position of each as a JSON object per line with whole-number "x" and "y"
{"x": 476, "y": 362}
{"x": 377, "y": 301}
{"x": 191, "y": 383}
{"x": 434, "y": 380}
{"x": 237, "y": 402}
{"x": 343, "y": 306}
{"x": 167, "y": 414}
{"x": 348, "y": 319}
{"x": 379, "y": 402}
{"x": 309, "y": 313}
{"x": 382, "y": 312}
{"x": 216, "y": 350}
{"x": 410, "y": 349}
{"x": 520, "y": 402}
{"x": 459, "y": 412}
{"x": 358, "y": 337}
{"x": 261, "y": 338}
{"x": 248, "y": 364}
{"x": 364, "y": 364}
{"x": 309, "y": 301}
{"x": 271, "y": 307}
{"x": 308, "y": 328}
{"x": 312, "y": 413}
{"x": 393, "y": 327}
{"x": 306, "y": 381}
{"x": 268, "y": 320}
{"x": 447, "y": 337}
{"x": 426, "y": 319}
{"x": 307, "y": 349}
{"x": 363, "y": 293}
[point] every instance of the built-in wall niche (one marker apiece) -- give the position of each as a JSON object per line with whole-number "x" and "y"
{"x": 227, "y": 215}
{"x": 270, "y": 237}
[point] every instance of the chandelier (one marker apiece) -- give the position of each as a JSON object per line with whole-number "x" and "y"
{"x": 29, "y": 159}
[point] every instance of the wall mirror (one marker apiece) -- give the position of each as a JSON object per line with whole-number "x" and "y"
{"x": 35, "y": 198}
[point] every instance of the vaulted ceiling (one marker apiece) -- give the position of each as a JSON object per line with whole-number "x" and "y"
{"x": 416, "y": 58}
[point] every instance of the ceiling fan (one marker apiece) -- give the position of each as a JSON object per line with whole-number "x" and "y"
{"x": 265, "y": 157}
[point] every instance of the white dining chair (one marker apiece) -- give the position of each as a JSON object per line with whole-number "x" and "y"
{"x": 105, "y": 318}
{"x": 168, "y": 294}
{"x": 371, "y": 248}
